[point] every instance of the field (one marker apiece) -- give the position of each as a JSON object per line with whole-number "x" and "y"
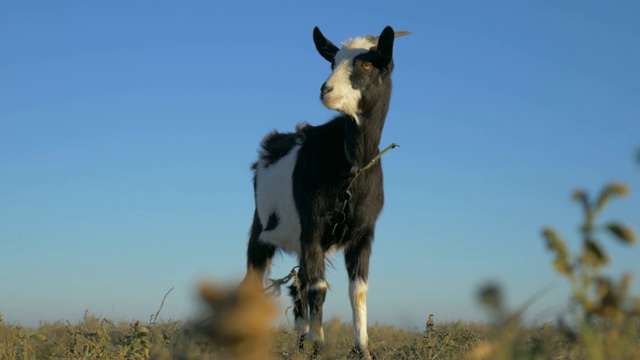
{"x": 604, "y": 320}
{"x": 101, "y": 339}
{"x": 95, "y": 338}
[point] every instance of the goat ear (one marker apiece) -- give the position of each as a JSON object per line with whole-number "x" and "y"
{"x": 384, "y": 50}
{"x": 325, "y": 47}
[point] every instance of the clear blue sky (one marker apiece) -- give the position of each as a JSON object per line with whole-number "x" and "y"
{"x": 127, "y": 130}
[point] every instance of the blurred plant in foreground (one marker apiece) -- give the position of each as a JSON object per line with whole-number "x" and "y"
{"x": 605, "y": 317}
{"x": 604, "y": 313}
{"x": 241, "y": 319}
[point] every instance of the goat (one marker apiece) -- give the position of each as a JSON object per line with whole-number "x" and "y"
{"x": 311, "y": 197}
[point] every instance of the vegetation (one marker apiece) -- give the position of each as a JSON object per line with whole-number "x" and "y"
{"x": 604, "y": 320}
{"x": 94, "y": 338}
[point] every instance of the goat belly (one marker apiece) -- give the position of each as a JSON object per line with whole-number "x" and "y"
{"x": 274, "y": 202}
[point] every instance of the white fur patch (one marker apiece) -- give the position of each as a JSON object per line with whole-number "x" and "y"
{"x": 331, "y": 251}
{"x": 358, "y": 296}
{"x": 358, "y": 43}
{"x": 316, "y": 333}
{"x": 344, "y": 97}
{"x": 319, "y": 285}
{"x": 274, "y": 195}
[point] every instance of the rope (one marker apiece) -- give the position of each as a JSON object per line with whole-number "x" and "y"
{"x": 340, "y": 217}
{"x": 274, "y": 289}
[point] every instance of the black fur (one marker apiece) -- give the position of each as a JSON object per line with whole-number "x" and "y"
{"x": 296, "y": 294}
{"x": 258, "y": 253}
{"x": 276, "y": 145}
{"x": 327, "y": 157}
{"x": 325, "y": 47}
{"x": 273, "y": 222}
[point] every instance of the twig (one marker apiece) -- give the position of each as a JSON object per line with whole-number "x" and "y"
{"x": 377, "y": 157}
{"x": 154, "y": 318}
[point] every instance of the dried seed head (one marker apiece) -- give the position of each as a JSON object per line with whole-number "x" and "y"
{"x": 613, "y": 189}
{"x": 619, "y": 189}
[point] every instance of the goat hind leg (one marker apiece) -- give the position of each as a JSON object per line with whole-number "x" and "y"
{"x": 259, "y": 255}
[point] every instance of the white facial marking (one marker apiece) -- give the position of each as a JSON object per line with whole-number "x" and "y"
{"x": 343, "y": 97}
{"x": 274, "y": 195}
{"x": 358, "y": 296}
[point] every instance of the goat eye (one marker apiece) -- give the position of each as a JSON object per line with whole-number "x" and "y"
{"x": 366, "y": 65}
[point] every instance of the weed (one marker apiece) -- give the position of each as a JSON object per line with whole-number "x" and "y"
{"x": 604, "y": 314}
{"x": 605, "y": 317}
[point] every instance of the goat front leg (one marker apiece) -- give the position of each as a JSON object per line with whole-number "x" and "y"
{"x": 357, "y": 263}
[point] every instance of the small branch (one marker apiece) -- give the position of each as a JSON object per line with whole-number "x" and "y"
{"x": 154, "y": 318}
{"x": 377, "y": 157}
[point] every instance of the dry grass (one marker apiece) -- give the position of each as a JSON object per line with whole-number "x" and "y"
{"x": 94, "y": 338}
{"x": 99, "y": 339}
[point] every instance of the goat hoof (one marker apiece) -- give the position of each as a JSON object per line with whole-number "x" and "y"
{"x": 362, "y": 354}
{"x": 301, "y": 340}
{"x": 317, "y": 350}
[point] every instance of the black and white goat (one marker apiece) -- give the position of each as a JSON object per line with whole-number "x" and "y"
{"x": 301, "y": 182}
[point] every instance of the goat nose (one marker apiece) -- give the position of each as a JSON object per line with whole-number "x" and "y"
{"x": 325, "y": 89}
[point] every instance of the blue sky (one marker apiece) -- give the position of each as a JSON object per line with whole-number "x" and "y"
{"x": 127, "y": 130}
